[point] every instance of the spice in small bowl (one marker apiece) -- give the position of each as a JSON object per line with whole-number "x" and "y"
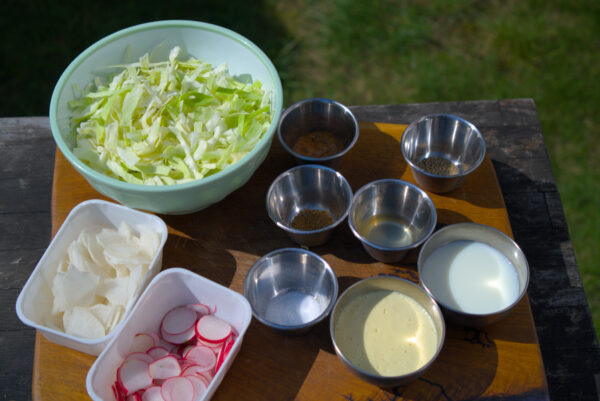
{"x": 318, "y": 144}
{"x": 311, "y": 219}
{"x": 308, "y": 202}
{"x": 438, "y": 166}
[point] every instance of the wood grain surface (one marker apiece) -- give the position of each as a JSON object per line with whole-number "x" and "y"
{"x": 223, "y": 241}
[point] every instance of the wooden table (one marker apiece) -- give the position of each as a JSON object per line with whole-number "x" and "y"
{"x": 515, "y": 144}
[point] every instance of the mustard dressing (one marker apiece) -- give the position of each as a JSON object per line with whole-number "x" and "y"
{"x": 386, "y": 333}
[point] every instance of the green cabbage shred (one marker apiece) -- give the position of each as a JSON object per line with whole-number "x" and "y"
{"x": 162, "y": 123}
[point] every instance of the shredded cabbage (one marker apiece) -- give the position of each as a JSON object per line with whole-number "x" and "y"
{"x": 162, "y": 123}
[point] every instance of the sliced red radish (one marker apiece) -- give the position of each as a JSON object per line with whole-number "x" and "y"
{"x": 201, "y": 309}
{"x": 155, "y": 337}
{"x": 134, "y": 397}
{"x": 224, "y": 352}
{"x": 202, "y": 356}
{"x": 133, "y": 376}
{"x": 142, "y": 356}
{"x": 179, "y": 338}
{"x": 152, "y": 394}
{"x": 194, "y": 370}
{"x": 178, "y": 320}
{"x": 200, "y": 386}
{"x": 164, "y": 368}
{"x": 214, "y": 346}
{"x": 142, "y": 342}
{"x": 177, "y": 389}
{"x": 212, "y": 329}
{"x": 157, "y": 352}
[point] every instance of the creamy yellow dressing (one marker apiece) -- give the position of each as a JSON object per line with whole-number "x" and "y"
{"x": 386, "y": 333}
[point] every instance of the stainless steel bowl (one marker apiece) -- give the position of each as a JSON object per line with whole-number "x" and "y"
{"x": 387, "y": 283}
{"x": 390, "y": 217}
{"x": 439, "y": 285}
{"x": 317, "y": 114}
{"x": 445, "y": 139}
{"x": 309, "y": 188}
{"x": 291, "y": 290}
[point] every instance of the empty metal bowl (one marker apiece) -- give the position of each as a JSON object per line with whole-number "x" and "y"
{"x": 441, "y": 150}
{"x": 391, "y": 217}
{"x": 475, "y": 286}
{"x": 318, "y": 131}
{"x": 291, "y": 289}
{"x": 308, "y": 202}
{"x": 396, "y": 349}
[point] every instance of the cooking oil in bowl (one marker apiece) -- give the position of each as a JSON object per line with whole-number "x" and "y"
{"x": 471, "y": 276}
{"x": 388, "y": 231}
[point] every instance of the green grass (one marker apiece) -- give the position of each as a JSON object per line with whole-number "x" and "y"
{"x": 374, "y": 52}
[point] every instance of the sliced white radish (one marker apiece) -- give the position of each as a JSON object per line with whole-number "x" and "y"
{"x": 157, "y": 352}
{"x": 141, "y": 342}
{"x": 212, "y": 329}
{"x": 201, "y": 309}
{"x": 152, "y": 394}
{"x": 142, "y": 356}
{"x": 200, "y": 387}
{"x": 133, "y": 376}
{"x": 164, "y": 368}
{"x": 177, "y": 389}
{"x": 202, "y": 356}
{"x": 179, "y": 338}
{"x": 178, "y": 320}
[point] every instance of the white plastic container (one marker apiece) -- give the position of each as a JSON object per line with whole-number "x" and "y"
{"x": 35, "y": 299}
{"x": 170, "y": 288}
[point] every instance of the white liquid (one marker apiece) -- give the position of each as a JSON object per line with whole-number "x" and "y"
{"x": 471, "y": 277}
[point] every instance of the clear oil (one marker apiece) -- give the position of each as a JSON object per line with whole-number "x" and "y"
{"x": 387, "y": 231}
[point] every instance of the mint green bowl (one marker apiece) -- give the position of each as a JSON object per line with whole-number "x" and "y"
{"x": 207, "y": 42}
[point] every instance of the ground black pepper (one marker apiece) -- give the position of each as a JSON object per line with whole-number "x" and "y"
{"x": 311, "y": 219}
{"x": 438, "y": 166}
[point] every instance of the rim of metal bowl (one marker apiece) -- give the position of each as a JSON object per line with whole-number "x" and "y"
{"x": 277, "y": 96}
{"x": 453, "y": 117}
{"x": 335, "y": 223}
{"x": 420, "y": 262}
{"x": 313, "y": 322}
{"x": 318, "y": 159}
{"x": 379, "y": 377}
{"x": 421, "y": 240}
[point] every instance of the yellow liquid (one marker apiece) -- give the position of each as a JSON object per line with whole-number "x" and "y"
{"x": 386, "y": 333}
{"x": 387, "y": 231}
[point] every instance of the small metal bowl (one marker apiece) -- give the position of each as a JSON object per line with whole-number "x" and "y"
{"x": 318, "y": 115}
{"x": 363, "y": 295}
{"x": 390, "y": 217}
{"x": 309, "y": 188}
{"x": 291, "y": 290}
{"x": 441, "y": 150}
{"x": 444, "y": 284}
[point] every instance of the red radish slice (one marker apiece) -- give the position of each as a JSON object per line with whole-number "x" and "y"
{"x": 179, "y": 338}
{"x": 157, "y": 352}
{"x": 164, "y": 368}
{"x": 152, "y": 394}
{"x": 224, "y": 352}
{"x": 202, "y": 356}
{"x": 134, "y": 376}
{"x": 212, "y": 329}
{"x": 178, "y": 320}
{"x": 142, "y": 342}
{"x": 141, "y": 356}
{"x": 177, "y": 389}
{"x": 155, "y": 337}
{"x": 194, "y": 370}
{"x": 216, "y": 347}
{"x": 201, "y": 309}
{"x": 134, "y": 397}
{"x": 200, "y": 386}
